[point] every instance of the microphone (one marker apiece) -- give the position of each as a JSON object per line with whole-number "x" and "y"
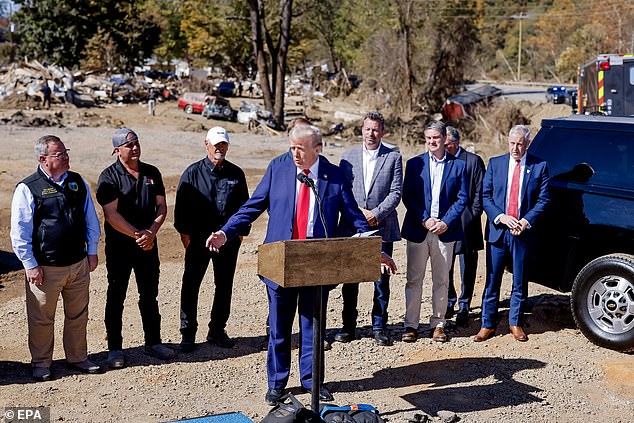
{"x": 304, "y": 179}
{"x": 301, "y": 177}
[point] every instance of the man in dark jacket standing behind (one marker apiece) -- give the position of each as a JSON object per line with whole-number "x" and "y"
{"x": 209, "y": 192}
{"x": 467, "y": 248}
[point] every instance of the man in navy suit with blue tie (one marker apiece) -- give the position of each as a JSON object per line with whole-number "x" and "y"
{"x": 435, "y": 195}
{"x": 293, "y": 214}
{"x": 514, "y": 197}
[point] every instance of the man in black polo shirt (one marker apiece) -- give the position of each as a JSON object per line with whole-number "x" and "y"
{"x": 133, "y": 199}
{"x": 209, "y": 192}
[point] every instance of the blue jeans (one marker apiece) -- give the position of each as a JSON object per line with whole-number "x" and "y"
{"x": 350, "y": 294}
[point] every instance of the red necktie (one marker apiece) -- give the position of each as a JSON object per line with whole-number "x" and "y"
{"x": 515, "y": 191}
{"x": 301, "y": 211}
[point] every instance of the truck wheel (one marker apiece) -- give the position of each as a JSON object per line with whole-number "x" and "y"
{"x": 189, "y": 109}
{"x": 227, "y": 112}
{"x": 603, "y": 301}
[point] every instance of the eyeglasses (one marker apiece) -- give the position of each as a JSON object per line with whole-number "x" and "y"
{"x": 58, "y": 155}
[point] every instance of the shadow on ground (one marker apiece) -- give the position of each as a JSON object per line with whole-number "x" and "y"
{"x": 9, "y": 262}
{"x": 442, "y": 380}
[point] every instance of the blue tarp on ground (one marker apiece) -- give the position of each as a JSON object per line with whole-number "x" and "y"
{"x": 220, "y": 418}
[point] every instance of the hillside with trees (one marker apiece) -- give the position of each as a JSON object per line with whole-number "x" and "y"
{"x": 416, "y": 51}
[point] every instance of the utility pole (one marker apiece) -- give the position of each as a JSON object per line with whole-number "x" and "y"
{"x": 519, "y": 52}
{"x": 11, "y": 28}
{"x": 519, "y": 44}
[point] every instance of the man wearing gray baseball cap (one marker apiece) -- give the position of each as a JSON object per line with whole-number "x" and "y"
{"x": 132, "y": 195}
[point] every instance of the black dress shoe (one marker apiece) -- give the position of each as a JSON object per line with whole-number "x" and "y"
{"x": 222, "y": 340}
{"x": 187, "y": 346}
{"x": 344, "y": 336}
{"x": 449, "y": 313}
{"x": 324, "y": 394}
{"x": 462, "y": 317}
{"x": 381, "y": 338}
{"x": 273, "y": 396}
{"x": 85, "y": 366}
{"x": 41, "y": 374}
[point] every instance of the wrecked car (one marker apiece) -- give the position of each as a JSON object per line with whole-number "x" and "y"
{"x": 219, "y": 108}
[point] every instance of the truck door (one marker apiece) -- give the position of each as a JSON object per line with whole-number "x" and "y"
{"x": 613, "y": 87}
{"x": 628, "y": 88}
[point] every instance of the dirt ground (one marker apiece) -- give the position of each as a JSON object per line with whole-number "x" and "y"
{"x": 556, "y": 376}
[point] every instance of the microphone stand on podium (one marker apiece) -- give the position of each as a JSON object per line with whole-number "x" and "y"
{"x": 318, "y": 262}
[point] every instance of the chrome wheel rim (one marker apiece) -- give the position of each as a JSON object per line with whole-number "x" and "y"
{"x": 611, "y": 304}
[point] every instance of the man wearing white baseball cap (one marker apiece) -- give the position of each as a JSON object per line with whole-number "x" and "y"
{"x": 209, "y": 192}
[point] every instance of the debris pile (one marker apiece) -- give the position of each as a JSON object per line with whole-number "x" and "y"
{"x": 23, "y": 86}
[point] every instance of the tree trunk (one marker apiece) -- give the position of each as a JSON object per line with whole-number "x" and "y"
{"x": 285, "y": 39}
{"x": 257, "y": 23}
{"x": 404, "y": 12}
{"x": 275, "y": 72}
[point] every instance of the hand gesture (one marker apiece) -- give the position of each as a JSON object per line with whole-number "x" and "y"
{"x": 145, "y": 239}
{"x": 388, "y": 265}
{"x": 35, "y": 275}
{"x": 370, "y": 217}
{"x": 215, "y": 241}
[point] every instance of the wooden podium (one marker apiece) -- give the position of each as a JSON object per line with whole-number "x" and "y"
{"x": 319, "y": 262}
{"x": 316, "y": 262}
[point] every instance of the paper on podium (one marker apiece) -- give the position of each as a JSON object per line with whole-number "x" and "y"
{"x": 365, "y": 234}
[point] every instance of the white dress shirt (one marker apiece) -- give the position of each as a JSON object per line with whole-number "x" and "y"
{"x": 436, "y": 168}
{"x": 22, "y": 211}
{"x": 512, "y": 164}
{"x": 369, "y": 163}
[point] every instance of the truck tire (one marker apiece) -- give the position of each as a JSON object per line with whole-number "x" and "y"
{"x": 189, "y": 109}
{"x": 227, "y": 112}
{"x": 603, "y": 301}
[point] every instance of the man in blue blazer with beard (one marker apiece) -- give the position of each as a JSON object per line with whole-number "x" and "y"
{"x": 293, "y": 214}
{"x": 514, "y": 196}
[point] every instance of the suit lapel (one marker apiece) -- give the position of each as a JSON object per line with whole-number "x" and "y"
{"x": 528, "y": 170}
{"x": 445, "y": 172}
{"x": 322, "y": 178}
{"x": 503, "y": 177}
{"x": 380, "y": 161}
{"x": 357, "y": 163}
{"x": 290, "y": 174}
{"x": 426, "y": 180}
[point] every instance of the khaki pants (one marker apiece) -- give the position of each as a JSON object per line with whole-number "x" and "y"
{"x": 41, "y": 302}
{"x": 440, "y": 254}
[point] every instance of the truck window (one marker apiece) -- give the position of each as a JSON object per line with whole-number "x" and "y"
{"x": 632, "y": 75}
{"x": 611, "y": 157}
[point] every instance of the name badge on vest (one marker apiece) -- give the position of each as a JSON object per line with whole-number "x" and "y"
{"x": 47, "y": 191}
{"x": 73, "y": 186}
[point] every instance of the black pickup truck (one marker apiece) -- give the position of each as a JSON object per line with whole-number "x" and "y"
{"x": 587, "y": 234}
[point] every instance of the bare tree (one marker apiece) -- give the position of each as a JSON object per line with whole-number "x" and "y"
{"x": 404, "y": 22}
{"x": 271, "y": 61}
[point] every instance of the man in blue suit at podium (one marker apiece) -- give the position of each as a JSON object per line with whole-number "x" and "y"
{"x": 294, "y": 214}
